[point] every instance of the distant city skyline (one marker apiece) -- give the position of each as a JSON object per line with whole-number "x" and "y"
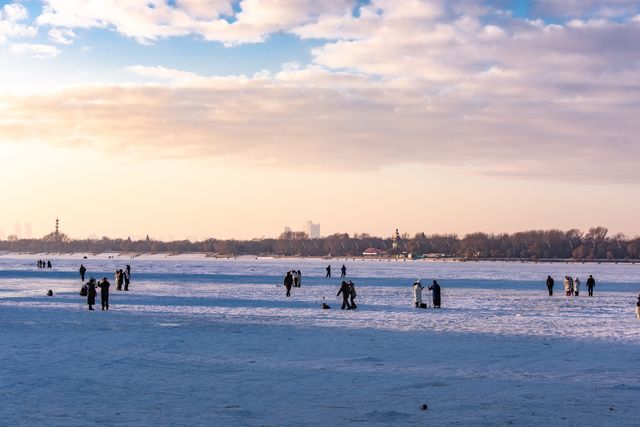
{"x": 229, "y": 119}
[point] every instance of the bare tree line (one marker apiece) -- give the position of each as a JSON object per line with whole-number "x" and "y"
{"x": 527, "y": 245}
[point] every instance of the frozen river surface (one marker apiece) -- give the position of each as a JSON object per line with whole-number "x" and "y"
{"x": 215, "y": 342}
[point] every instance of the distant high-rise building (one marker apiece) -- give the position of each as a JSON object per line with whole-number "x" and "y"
{"x": 312, "y": 230}
{"x": 27, "y": 230}
{"x": 17, "y": 230}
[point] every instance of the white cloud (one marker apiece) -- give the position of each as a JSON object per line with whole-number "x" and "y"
{"x": 61, "y": 35}
{"x": 30, "y": 50}
{"x": 10, "y": 27}
{"x": 155, "y": 19}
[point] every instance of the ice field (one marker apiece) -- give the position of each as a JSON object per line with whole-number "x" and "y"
{"x": 202, "y": 341}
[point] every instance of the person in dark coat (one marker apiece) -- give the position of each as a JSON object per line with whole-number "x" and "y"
{"x": 344, "y": 290}
{"x": 436, "y": 294}
{"x": 328, "y": 271}
{"x": 343, "y": 272}
{"x": 127, "y": 280}
{"x": 591, "y": 282}
{"x": 288, "y": 282}
{"x": 550, "y": 284}
{"x": 352, "y": 294}
{"x": 91, "y": 293}
{"x": 82, "y": 271}
{"x": 104, "y": 293}
{"x": 128, "y": 268}
{"x": 49, "y": 264}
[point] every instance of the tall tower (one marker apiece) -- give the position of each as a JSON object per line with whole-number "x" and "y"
{"x": 57, "y": 226}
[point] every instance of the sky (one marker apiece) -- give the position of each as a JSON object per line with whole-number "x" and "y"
{"x": 233, "y": 119}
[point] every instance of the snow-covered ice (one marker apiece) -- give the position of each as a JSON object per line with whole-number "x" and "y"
{"x": 201, "y": 341}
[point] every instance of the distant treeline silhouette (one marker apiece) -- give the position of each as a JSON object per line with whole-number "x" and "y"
{"x": 528, "y": 245}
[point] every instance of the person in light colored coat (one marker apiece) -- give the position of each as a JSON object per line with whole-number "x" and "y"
{"x": 576, "y": 286}
{"x": 567, "y": 286}
{"x": 417, "y": 293}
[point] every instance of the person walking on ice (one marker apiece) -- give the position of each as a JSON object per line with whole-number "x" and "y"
{"x": 343, "y": 272}
{"x": 550, "y": 284}
{"x": 328, "y": 271}
{"x": 417, "y": 294}
{"x": 82, "y": 270}
{"x": 590, "y": 284}
{"x": 576, "y": 286}
{"x": 352, "y": 294}
{"x": 288, "y": 282}
{"x": 344, "y": 290}
{"x": 436, "y": 294}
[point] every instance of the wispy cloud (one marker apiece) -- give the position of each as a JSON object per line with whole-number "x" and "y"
{"x": 31, "y": 50}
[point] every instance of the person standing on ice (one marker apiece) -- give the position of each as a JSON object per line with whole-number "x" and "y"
{"x": 82, "y": 271}
{"x": 127, "y": 279}
{"x": 550, "y": 284}
{"x": 567, "y": 286}
{"x": 590, "y": 284}
{"x": 417, "y": 293}
{"x": 352, "y": 294}
{"x": 328, "y": 271}
{"x": 343, "y": 272}
{"x": 91, "y": 293}
{"x": 104, "y": 293}
{"x": 638, "y": 308}
{"x": 118, "y": 279}
{"x": 576, "y": 286}
{"x": 288, "y": 282}
{"x": 344, "y": 290}
{"x": 299, "y": 278}
{"x": 571, "y": 285}
{"x": 294, "y": 273}
{"x": 436, "y": 294}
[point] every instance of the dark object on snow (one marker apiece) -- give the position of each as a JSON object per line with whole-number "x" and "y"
{"x": 424, "y": 407}
{"x": 436, "y": 294}
{"x": 49, "y": 293}
{"x": 325, "y": 306}
{"x": 422, "y": 305}
{"x": 83, "y": 291}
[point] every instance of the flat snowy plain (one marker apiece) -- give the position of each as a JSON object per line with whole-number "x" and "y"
{"x": 200, "y": 341}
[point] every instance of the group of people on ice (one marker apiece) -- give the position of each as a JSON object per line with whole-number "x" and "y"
{"x": 122, "y": 276}
{"x": 293, "y": 278}
{"x": 417, "y": 294}
{"x": 571, "y": 285}
{"x": 89, "y": 290}
{"x": 44, "y": 264}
